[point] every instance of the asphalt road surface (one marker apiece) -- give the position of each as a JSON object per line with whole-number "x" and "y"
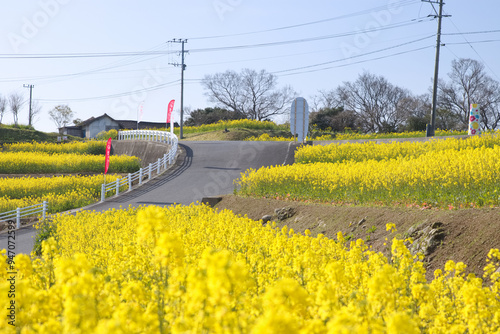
{"x": 203, "y": 169}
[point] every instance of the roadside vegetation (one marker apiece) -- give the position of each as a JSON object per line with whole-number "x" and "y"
{"x": 14, "y": 134}
{"x": 93, "y": 147}
{"x": 46, "y": 163}
{"x": 439, "y": 173}
{"x": 253, "y": 130}
{"x": 37, "y": 160}
{"x": 195, "y": 269}
{"x": 61, "y": 192}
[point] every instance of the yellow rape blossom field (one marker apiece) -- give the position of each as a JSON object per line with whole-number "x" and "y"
{"x": 267, "y": 137}
{"x": 371, "y": 150}
{"x": 88, "y": 147}
{"x": 320, "y": 136}
{"x": 195, "y": 270}
{"x": 407, "y": 134}
{"x": 440, "y": 173}
{"x": 61, "y": 192}
{"x": 39, "y": 162}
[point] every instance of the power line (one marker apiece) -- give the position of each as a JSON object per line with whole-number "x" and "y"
{"x": 366, "y": 11}
{"x": 101, "y": 70}
{"x": 224, "y": 48}
{"x": 357, "y": 62}
{"x": 112, "y": 96}
{"x": 81, "y": 55}
{"x": 277, "y": 72}
{"x": 474, "y": 42}
{"x": 470, "y": 32}
{"x": 356, "y": 56}
{"x": 310, "y": 39}
{"x": 472, "y": 47}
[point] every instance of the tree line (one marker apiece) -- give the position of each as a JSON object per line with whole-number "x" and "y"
{"x": 14, "y": 103}
{"x": 369, "y": 104}
{"x": 61, "y": 115}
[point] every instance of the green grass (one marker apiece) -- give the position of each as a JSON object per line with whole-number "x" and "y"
{"x": 233, "y": 134}
{"x": 10, "y": 134}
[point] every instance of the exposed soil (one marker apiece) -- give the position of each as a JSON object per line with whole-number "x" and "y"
{"x": 469, "y": 233}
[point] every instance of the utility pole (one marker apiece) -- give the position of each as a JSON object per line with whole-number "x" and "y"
{"x": 183, "y": 67}
{"x": 31, "y": 94}
{"x": 431, "y": 128}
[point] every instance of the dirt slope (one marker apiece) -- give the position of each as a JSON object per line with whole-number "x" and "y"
{"x": 469, "y": 233}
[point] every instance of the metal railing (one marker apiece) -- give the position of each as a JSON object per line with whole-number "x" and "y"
{"x": 28, "y": 211}
{"x": 152, "y": 135}
{"x": 126, "y": 183}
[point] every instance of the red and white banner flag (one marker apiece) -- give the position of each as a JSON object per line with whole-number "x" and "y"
{"x": 106, "y": 161}
{"x": 170, "y": 109}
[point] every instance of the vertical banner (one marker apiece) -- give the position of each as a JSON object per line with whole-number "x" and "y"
{"x": 474, "y": 127}
{"x": 170, "y": 109}
{"x": 169, "y": 115}
{"x": 106, "y": 161}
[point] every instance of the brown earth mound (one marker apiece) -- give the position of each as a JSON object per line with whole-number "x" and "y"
{"x": 464, "y": 235}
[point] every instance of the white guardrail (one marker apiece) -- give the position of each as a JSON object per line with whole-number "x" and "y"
{"x": 28, "y": 211}
{"x": 158, "y": 166}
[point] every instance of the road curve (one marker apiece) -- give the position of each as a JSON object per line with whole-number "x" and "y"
{"x": 202, "y": 169}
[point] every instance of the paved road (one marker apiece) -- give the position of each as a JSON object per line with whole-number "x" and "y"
{"x": 203, "y": 169}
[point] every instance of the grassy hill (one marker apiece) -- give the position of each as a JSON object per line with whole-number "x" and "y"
{"x": 234, "y": 134}
{"x": 10, "y": 134}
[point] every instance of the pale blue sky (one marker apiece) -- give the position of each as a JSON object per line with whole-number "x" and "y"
{"x": 397, "y": 31}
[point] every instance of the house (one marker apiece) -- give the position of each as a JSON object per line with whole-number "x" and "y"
{"x": 92, "y": 126}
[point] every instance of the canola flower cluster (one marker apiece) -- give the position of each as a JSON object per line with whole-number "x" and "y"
{"x": 405, "y": 134}
{"x": 452, "y": 172}
{"x": 40, "y": 162}
{"x": 88, "y": 147}
{"x": 267, "y": 137}
{"x": 195, "y": 270}
{"x": 239, "y": 123}
{"x": 357, "y": 136}
{"x": 361, "y": 151}
{"x": 61, "y": 192}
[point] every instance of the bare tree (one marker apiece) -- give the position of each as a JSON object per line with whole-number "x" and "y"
{"x": 375, "y": 101}
{"x": 254, "y": 94}
{"x": 36, "y": 109}
{"x": 61, "y": 115}
{"x": 469, "y": 84}
{"x": 415, "y": 109}
{"x": 15, "y": 103}
{"x": 325, "y": 100}
{"x": 3, "y": 106}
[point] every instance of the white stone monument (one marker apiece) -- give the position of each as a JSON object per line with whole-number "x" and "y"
{"x": 299, "y": 118}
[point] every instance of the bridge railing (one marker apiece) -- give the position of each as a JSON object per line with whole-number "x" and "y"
{"x": 27, "y": 211}
{"x": 155, "y": 168}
